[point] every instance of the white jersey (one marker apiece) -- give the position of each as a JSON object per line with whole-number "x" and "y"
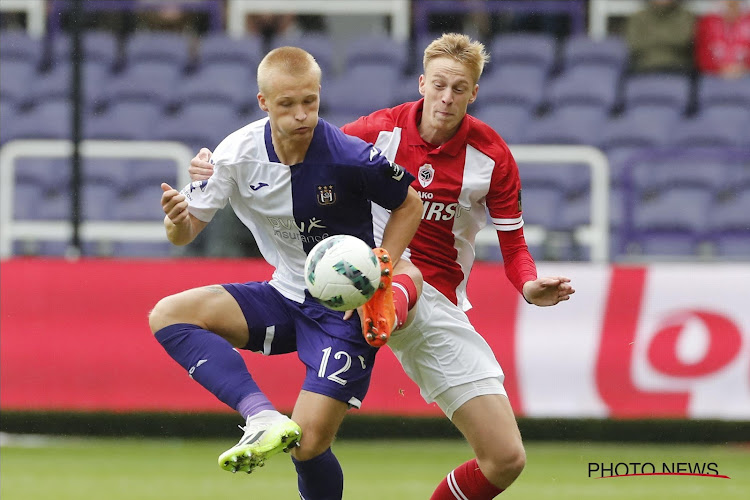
{"x": 291, "y": 208}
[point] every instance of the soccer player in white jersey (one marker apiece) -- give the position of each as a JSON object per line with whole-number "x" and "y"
{"x": 463, "y": 168}
{"x": 293, "y": 180}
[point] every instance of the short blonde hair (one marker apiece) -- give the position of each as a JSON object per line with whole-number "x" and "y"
{"x": 460, "y": 48}
{"x": 291, "y": 60}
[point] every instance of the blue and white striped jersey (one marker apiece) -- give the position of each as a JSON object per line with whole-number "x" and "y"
{"x": 291, "y": 208}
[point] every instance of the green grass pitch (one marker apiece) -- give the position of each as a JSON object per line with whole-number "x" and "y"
{"x": 133, "y": 469}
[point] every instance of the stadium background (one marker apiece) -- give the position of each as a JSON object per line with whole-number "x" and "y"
{"x": 654, "y": 347}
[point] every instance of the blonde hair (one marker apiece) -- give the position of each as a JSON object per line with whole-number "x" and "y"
{"x": 291, "y": 60}
{"x": 460, "y": 48}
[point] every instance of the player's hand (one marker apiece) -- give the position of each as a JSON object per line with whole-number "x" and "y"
{"x": 174, "y": 204}
{"x": 548, "y": 291}
{"x": 200, "y": 167}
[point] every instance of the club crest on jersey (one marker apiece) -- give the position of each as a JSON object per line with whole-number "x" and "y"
{"x": 426, "y": 174}
{"x": 326, "y": 195}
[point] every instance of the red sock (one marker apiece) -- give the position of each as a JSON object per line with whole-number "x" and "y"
{"x": 466, "y": 482}
{"x": 404, "y": 297}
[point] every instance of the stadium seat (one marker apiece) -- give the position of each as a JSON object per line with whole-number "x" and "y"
{"x": 406, "y": 89}
{"x": 667, "y": 244}
{"x": 376, "y": 81}
{"x": 541, "y": 206}
{"x": 100, "y": 47}
{"x": 567, "y": 125}
{"x": 220, "y": 48}
{"x": 673, "y": 209}
{"x": 20, "y": 46}
{"x": 318, "y": 44}
{"x": 660, "y": 89}
{"x": 198, "y": 124}
{"x": 514, "y": 84}
{"x": 25, "y": 196}
{"x": 16, "y": 77}
{"x": 50, "y": 174}
{"x": 48, "y": 120}
{"x": 148, "y": 173}
{"x": 141, "y": 204}
{"x": 375, "y": 49}
{"x": 588, "y": 85}
{"x": 168, "y": 49}
{"x": 582, "y": 50}
{"x": 113, "y": 173}
{"x": 98, "y": 201}
{"x": 575, "y": 212}
{"x": 732, "y": 213}
{"x": 570, "y": 179}
{"x": 718, "y": 90}
{"x": 143, "y": 81}
{"x": 508, "y": 120}
{"x": 142, "y": 249}
{"x": 707, "y": 130}
{"x": 123, "y": 120}
{"x": 654, "y": 176}
{"x": 640, "y": 127}
{"x": 56, "y": 84}
{"x": 732, "y": 245}
{"x": 534, "y": 49}
{"x": 7, "y": 120}
{"x": 220, "y": 82}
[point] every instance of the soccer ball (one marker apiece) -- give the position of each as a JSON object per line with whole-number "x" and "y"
{"x": 342, "y": 272}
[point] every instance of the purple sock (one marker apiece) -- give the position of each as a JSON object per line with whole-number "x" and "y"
{"x": 254, "y": 403}
{"x": 211, "y": 361}
{"x": 320, "y": 478}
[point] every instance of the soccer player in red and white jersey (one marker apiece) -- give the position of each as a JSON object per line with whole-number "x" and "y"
{"x": 722, "y": 41}
{"x": 463, "y": 168}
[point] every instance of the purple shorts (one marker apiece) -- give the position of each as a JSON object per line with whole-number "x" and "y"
{"x": 337, "y": 358}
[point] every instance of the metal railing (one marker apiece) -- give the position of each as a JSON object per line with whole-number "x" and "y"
{"x": 62, "y": 230}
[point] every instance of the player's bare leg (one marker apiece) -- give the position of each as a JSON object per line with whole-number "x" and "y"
{"x": 490, "y": 427}
{"x": 379, "y": 313}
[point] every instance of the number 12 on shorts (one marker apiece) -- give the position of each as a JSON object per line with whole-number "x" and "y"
{"x": 334, "y": 377}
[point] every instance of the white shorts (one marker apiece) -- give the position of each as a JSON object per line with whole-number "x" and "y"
{"x": 441, "y": 350}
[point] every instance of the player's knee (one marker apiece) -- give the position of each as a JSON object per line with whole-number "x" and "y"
{"x": 503, "y": 466}
{"x": 159, "y": 316}
{"x": 310, "y": 447}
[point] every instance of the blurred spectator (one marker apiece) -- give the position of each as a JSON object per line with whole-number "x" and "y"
{"x": 722, "y": 41}
{"x": 171, "y": 16}
{"x": 271, "y": 25}
{"x": 660, "y": 38}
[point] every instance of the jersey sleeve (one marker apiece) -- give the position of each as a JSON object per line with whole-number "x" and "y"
{"x": 366, "y": 128}
{"x": 506, "y": 211}
{"x": 385, "y": 182}
{"x": 206, "y": 197}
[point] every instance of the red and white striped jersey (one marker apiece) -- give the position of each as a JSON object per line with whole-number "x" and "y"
{"x": 459, "y": 182}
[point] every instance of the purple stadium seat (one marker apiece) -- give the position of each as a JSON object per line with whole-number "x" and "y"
{"x": 147, "y": 249}
{"x": 674, "y": 209}
{"x": 48, "y": 120}
{"x": 220, "y": 48}
{"x": 19, "y": 45}
{"x": 169, "y": 49}
{"x": 198, "y": 124}
{"x": 139, "y": 205}
{"x": 671, "y": 244}
{"x": 541, "y": 205}
{"x": 100, "y": 47}
{"x": 55, "y": 84}
{"x": 50, "y": 174}
{"x": 571, "y": 179}
{"x": 25, "y": 196}
{"x": 318, "y": 44}
{"x": 716, "y": 90}
{"x": 733, "y": 245}
{"x": 98, "y": 201}
{"x": 514, "y": 84}
{"x": 149, "y": 173}
{"x": 123, "y": 120}
{"x": 16, "y": 77}
{"x": 508, "y": 120}
{"x": 406, "y": 89}
{"x": 374, "y": 80}
{"x": 659, "y": 89}
{"x": 589, "y": 85}
{"x": 144, "y": 81}
{"x": 375, "y": 49}
{"x": 222, "y": 82}
{"x": 534, "y": 49}
{"x": 708, "y": 130}
{"x": 732, "y": 213}
{"x": 8, "y": 119}
{"x": 581, "y": 50}
{"x": 568, "y": 125}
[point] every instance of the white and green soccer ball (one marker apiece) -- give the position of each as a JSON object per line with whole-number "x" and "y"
{"x": 342, "y": 272}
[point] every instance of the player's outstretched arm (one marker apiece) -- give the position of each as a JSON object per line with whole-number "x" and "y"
{"x": 181, "y": 226}
{"x": 402, "y": 225}
{"x": 200, "y": 167}
{"x": 548, "y": 291}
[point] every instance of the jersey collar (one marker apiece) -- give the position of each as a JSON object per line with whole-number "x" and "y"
{"x": 453, "y": 147}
